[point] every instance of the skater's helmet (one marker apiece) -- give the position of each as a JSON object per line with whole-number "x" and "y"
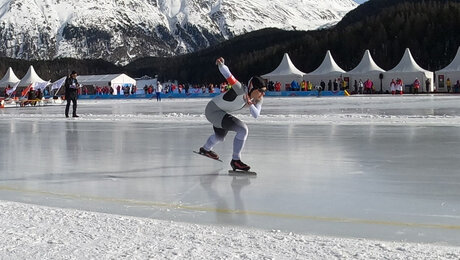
{"x": 256, "y": 82}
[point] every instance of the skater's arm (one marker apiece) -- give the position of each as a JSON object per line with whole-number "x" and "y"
{"x": 255, "y": 109}
{"x": 225, "y": 71}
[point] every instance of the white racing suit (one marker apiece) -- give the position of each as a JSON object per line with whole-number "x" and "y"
{"x": 218, "y": 113}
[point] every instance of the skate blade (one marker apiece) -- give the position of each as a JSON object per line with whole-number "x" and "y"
{"x": 240, "y": 173}
{"x": 207, "y": 156}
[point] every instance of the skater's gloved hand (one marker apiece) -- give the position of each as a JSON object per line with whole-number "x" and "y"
{"x": 220, "y": 61}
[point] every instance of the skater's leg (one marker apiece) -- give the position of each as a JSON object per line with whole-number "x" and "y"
{"x": 238, "y": 145}
{"x": 234, "y": 124}
{"x": 215, "y": 116}
{"x": 217, "y": 137}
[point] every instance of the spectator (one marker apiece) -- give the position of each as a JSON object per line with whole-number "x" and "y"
{"x": 322, "y": 85}
{"x": 393, "y": 87}
{"x": 295, "y": 86}
{"x": 39, "y": 94}
{"x": 211, "y": 88}
{"x": 427, "y": 85}
{"x": 329, "y": 85}
{"x": 336, "y": 85}
{"x": 187, "y": 87}
{"x": 6, "y": 91}
{"x": 150, "y": 89}
{"x": 416, "y": 85}
{"x": 449, "y": 85}
{"x": 158, "y": 90}
{"x": 399, "y": 86}
{"x": 368, "y": 84}
{"x": 271, "y": 86}
{"x": 31, "y": 97}
{"x": 278, "y": 86}
{"x": 360, "y": 86}
{"x": 344, "y": 85}
{"x": 319, "y": 88}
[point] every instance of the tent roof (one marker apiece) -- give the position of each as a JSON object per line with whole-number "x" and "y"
{"x": 9, "y": 78}
{"x": 407, "y": 64}
{"x": 103, "y": 80}
{"x": 454, "y": 65}
{"x": 327, "y": 66}
{"x": 30, "y": 77}
{"x": 285, "y": 68}
{"x": 366, "y": 65}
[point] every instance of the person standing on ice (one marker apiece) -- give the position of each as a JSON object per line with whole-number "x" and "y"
{"x": 71, "y": 86}
{"x": 218, "y": 114}
{"x": 158, "y": 90}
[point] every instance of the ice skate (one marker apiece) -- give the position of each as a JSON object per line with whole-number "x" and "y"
{"x": 209, "y": 154}
{"x": 239, "y": 165}
{"x": 240, "y": 169}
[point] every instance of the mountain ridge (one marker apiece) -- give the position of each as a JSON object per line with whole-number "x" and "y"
{"x": 120, "y": 31}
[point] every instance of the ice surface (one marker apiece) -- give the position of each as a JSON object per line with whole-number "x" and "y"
{"x": 375, "y": 167}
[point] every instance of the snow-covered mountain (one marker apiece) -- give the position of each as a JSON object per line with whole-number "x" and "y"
{"x": 122, "y": 30}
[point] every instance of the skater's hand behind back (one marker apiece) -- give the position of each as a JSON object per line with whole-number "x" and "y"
{"x": 220, "y": 61}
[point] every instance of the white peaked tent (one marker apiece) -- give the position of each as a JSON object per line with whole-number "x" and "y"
{"x": 366, "y": 69}
{"x": 9, "y": 79}
{"x": 113, "y": 80}
{"x": 30, "y": 77}
{"x": 328, "y": 70}
{"x": 285, "y": 73}
{"x": 408, "y": 70}
{"x": 452, "y": 72}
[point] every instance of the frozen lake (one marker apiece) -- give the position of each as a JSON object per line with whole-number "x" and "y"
{"x": 379, "y": 167}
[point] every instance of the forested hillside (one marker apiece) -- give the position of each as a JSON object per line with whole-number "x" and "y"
{"x": 385, "y": 27}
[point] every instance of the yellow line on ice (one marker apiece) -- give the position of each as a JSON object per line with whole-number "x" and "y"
{"x": 233, "y": 211}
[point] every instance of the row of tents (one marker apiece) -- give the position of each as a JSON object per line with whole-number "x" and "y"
{"x": 32, "y": 80}
{"x": 407, "y": 69}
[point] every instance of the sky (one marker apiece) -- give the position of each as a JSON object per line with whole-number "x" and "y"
{"x": 360, "y": 1}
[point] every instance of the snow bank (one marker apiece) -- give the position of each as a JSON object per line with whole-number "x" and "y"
{"x": 37, "y": 232}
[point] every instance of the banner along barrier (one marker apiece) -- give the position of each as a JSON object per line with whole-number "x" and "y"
{"x": 210, "y": 95}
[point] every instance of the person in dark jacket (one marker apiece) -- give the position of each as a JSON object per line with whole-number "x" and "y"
{"x": 32, "y": 98}
{"x": 71, "y": 94}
